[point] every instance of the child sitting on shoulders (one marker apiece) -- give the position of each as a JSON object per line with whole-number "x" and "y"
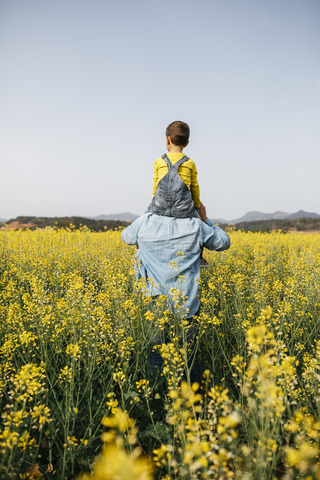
{"x": 176, "y": 195}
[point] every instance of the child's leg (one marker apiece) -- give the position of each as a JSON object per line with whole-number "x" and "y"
{"x": 203, "y": 261}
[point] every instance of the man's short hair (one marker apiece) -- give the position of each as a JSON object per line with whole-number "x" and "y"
{"x": 178, "y": 132}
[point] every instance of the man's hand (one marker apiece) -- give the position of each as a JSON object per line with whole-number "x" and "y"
{"x": 202, "y": 212}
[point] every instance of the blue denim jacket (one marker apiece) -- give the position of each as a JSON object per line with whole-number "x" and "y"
{"x": 169, "y": 254}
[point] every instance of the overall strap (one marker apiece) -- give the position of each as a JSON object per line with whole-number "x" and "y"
{"x": 179, "y": 162}
{"x": 167, "y": 160}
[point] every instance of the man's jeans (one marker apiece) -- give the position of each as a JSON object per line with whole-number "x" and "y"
{"x": 160, "y": 337}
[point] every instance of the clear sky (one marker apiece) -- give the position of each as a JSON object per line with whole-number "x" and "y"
{"x": 87, "y": 88}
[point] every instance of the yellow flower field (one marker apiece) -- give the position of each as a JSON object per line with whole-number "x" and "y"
{"x": 76, "y": 396}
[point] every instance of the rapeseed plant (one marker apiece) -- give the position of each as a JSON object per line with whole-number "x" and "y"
{"x": 75, "y": 330}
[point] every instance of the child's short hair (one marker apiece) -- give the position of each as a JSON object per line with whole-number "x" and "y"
{"x": 178, "y": 132}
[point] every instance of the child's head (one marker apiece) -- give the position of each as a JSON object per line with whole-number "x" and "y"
{"x": 179, "y": 133}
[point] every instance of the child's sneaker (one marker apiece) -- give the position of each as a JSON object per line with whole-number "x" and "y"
{"x": 204, "y": 263}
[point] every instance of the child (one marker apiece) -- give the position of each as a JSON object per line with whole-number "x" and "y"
{"x": 176, "y": 195}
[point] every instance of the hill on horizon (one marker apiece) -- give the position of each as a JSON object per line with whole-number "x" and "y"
{"x": 32, "y": 223}
{"x": 251, "y": 216}
{"x": 124, "y": 217}
{"x": 301, "y": 224}
{"x": 286, "y": 225}
{"x": 257, "y": 216}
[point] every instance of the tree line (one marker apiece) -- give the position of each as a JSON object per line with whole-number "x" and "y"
{"x": 286, "y": 225}
{"x": 66, "y": 222}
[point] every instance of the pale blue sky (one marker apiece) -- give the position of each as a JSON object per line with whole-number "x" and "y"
{"x": 87, "y": 89}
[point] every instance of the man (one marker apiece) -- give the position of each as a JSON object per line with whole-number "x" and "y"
{"x": 169, "y": 258}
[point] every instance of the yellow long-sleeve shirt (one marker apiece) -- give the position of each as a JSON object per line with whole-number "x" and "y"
{"x": 187, "y": 172}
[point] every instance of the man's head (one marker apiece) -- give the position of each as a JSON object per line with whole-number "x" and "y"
{"x": 178, "y": 133}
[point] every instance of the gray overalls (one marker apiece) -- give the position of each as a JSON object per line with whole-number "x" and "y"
{"x": 173, "y": 197}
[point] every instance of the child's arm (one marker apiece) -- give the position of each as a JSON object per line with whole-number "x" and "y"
{"x": 194, "y": 187}
{"x": 155, "y": 178}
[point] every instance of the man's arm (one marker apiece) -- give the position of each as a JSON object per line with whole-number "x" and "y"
{"x": 130, "y": 234}
{"x": 216, "y": 239}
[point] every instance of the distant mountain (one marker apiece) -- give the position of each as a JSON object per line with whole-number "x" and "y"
{"x": 302, "y": 214}
{"x": 256, "y": 216}
{"x": 3, "y": 220}
{"x": 253, "y": 216}
{"x": 117, "y": 216}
